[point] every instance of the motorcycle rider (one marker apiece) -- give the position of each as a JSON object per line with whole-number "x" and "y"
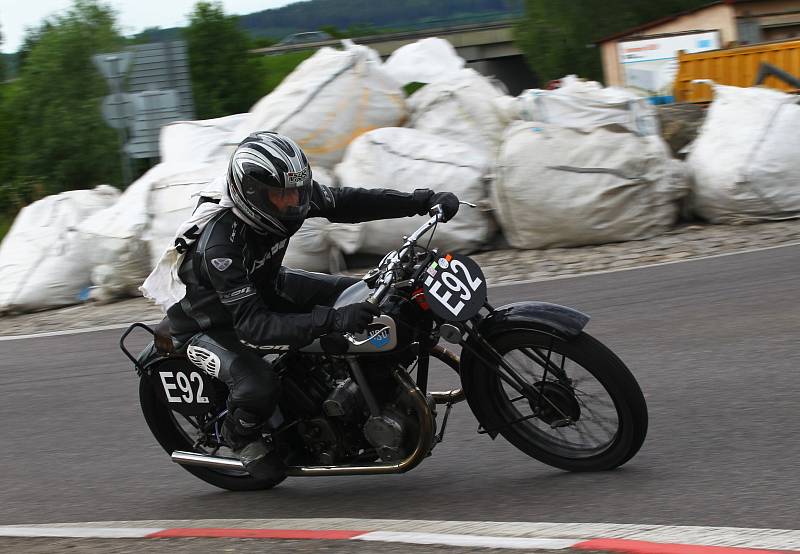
{"x": 239, "y": 297}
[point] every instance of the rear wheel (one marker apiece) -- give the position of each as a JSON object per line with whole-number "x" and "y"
{"x": 175, "y": 431}
{"x": 579, "y": 409}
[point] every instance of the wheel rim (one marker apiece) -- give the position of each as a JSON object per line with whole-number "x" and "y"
{"x": 575, "y": 417}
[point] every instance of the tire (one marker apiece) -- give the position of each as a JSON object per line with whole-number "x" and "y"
{"x": 543, "y": 438}
{"x": 162, "y": 423}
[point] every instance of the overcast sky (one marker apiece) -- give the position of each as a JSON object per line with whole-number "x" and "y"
{"x": 132, "y": 15}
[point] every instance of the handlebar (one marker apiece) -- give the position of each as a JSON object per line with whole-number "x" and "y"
{"x": 437, "y": 215}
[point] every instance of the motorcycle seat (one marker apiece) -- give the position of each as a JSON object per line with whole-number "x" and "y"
{"x": 163, "y": 338}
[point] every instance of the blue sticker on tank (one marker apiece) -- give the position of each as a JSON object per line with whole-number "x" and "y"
{"x": 380, "y": 338}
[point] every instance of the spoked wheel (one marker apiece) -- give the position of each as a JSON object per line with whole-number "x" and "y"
{"x": 575, "y": 405}
{"x": 175, "y": 431}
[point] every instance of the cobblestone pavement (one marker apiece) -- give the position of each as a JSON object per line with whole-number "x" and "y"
{"x": 499, "y": 266}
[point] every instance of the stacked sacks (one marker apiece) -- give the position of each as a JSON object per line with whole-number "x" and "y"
{"x": 557, "y": 186}
{"x": 330, "y": 99}
{"x": 584, "y": 105}
{"x": 426, "y": 61}
{"x": 205, "y": 141}
{"x": 406, "y": 159}
{"x": 320, "y": 245}
{"x": 127, "y": 239}
{"x": 745, "y": 161}
{"x": 43, "y": 264}
{"x": 461, "y": 108}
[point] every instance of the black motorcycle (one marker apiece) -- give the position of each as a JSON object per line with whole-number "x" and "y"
{"x": 359, "y": 404}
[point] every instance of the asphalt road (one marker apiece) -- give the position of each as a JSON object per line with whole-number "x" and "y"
{"x": 714, "y": 344}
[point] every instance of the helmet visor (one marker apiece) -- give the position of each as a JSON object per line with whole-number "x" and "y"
{"x": 285, "y": 204}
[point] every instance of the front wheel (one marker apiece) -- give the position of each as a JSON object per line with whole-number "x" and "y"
{"x": 573, "y": 404}
{"x": 175, "y": 431}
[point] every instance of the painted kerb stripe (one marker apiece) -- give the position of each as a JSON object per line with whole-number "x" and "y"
{"x": 622, "y": 546}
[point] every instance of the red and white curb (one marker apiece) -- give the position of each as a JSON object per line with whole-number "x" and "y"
{"x": 627, "y": 539}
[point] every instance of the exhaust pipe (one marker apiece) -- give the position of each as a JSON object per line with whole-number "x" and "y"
{"x": 424, "y": 444}
{"x": 205, "y": 460}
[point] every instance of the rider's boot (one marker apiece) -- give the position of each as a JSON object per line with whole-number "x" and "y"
{"x": 242, "y": 430}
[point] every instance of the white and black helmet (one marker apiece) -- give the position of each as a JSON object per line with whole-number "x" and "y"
{"x": 269, "y": 182}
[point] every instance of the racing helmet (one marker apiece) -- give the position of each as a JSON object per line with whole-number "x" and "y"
{"x": 269, "y": 182}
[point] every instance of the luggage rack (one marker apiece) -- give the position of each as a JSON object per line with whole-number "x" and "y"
{"x": 124, "y": 336}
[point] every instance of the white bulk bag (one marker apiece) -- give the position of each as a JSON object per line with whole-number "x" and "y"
{"x": 745, "y": 161}
{"x": 172, "y": 200}
{"x": 42, "y": 262}
{"x": 193, "y": 142}
{"x": 584, "y": 105}
{"x": 426, "y": 61}
{"x": 407, "y": 159}
{"x": 563, "y": 187}
{"x": 330, "y": 99}
{"x": 320, "y": 245}
{"x": 460, "y": 108}
{"x": 125, "y": 240}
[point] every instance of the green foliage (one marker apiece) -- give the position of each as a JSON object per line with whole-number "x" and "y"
{"x": 558, "y": 37}
{"x": 53, "y": 137}
{"x": 224, "y": 78}
{"x": 274, "y": 69}
{"x": 333, "y": 31}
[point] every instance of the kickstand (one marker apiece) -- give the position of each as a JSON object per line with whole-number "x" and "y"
{"x": 440, "y": 436}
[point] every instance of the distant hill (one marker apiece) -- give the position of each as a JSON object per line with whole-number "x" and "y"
{"x": 363, "y": 15}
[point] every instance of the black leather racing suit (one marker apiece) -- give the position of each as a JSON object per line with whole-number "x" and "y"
{"x": 239, "y": 297}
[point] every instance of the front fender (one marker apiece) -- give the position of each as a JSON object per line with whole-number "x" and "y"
{"x": 552, "y": 319}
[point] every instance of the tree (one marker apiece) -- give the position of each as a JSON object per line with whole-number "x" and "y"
{"x": 224, "y": 79}
{"x": 558, "y": 37}
{"x": 60, "y": 139}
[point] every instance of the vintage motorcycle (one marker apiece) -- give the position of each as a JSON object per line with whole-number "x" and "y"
{"x": 350, "y": 406}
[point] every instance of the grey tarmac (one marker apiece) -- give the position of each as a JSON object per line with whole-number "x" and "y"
{"x": 714, "y": 344}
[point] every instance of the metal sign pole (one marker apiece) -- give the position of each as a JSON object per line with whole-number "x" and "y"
{"x": 127, "y": 172}
{"x": 114, "y": 67}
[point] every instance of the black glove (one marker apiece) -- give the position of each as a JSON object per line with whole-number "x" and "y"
{"x": 353, "y": 318}
{"x": 449, "y": 203}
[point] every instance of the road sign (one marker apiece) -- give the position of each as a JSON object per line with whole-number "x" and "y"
{"x": 117, "y": 110}
{"x": 113, "y": 65}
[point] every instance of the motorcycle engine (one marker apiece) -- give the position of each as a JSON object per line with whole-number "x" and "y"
{"x": 345, "y": 430}
{"x": 387, "y": 432}
{"x": 393, "y": 433}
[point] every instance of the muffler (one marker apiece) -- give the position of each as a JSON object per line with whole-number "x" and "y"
{"x": 426, "y": 426}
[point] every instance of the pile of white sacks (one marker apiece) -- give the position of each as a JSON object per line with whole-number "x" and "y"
{"x": 578, "y": 165}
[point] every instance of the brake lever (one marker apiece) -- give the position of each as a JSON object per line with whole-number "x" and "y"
{"x": 437, "y": 209}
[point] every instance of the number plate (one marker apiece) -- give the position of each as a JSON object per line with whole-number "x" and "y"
{"x": 183, "y": 387}
{"x": 455, "y": 287}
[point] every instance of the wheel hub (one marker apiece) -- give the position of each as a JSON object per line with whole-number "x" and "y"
{"x": 557, "y": 405}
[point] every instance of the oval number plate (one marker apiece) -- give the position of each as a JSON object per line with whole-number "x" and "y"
{"x": 183, "y": 387}
{"x": 455, "y": 287}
